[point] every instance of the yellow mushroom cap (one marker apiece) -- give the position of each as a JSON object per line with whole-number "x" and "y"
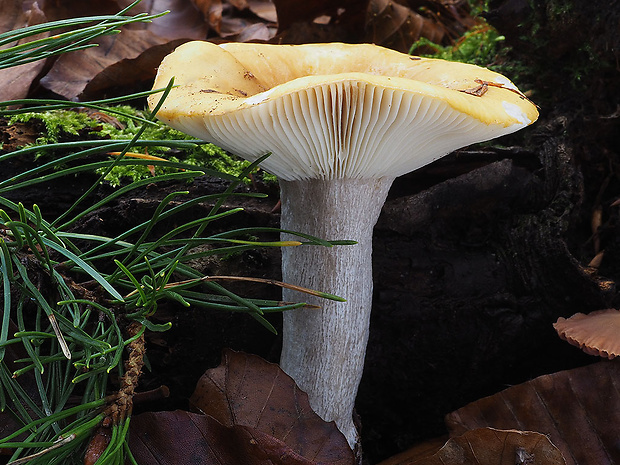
{"x": 335, "y": 110}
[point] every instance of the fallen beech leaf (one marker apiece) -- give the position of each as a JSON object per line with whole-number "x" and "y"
{"x": 212, "y": 10}
{"x": 56, "y": 11}
{"x": 488, "y": 446}
{"x": 242, "y": 30}
{"x": 348, "y": 14}
{"x": 246, "y": 390}
{"x": 483, "y": 446}
{"x": 236, "y": 24}
{"x": 122, "y": 60}
{"x": 597, "y": 333}
{"x": 419, "y": 451}
{"x": 264, "y": 9}
{"x": 183, "y": 21}
{"x": 579, "y": 410}
{"x": 239, "y": 4}
{"x": 15, "y": 82}
{"x": 397, "y": 26}
{"x": 127, "y": 74}
{"x": 184, "y": 438}
{"x": 72, "y": 72}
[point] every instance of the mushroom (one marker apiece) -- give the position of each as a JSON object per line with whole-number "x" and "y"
{"x": 595, "y": 333}
{"x": 341, "y": 122}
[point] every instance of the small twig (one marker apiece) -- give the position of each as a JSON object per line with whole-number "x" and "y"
{"x": 123, "y": 405}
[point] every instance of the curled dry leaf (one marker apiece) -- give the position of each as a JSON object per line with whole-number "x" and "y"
{"x": 184, "y": 438}
{"x": 246, "y": 390}
{"x": 340, "y": 20}
{"x": 231, "y": 21}
{"x": 141, "y": 46}
{"x": 257, "y": 31}
{"x": 290, "y": 13}
{"x": 263, "y": 9}
{"x": 489, "y": 446}
{"x": 579, "y": 410}
{"x": 252, "y": 413}
{"x": 597, "y": 333}
{"x": 72, "y": 72}
{"x": 397, "y": 26}
{"x": 183, "y": 20}
{"x": 212, "y": 11}
{"x": 15, "y": 82}
{"x": 129, "y": 73}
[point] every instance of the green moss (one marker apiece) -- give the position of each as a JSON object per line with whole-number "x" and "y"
{"x": 480, "y": 46}
{"x": 61, "y": 125}
{"x": 57, "y": 125}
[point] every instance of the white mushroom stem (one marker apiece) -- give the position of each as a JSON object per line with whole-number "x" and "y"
{"x": 324, "y": 349}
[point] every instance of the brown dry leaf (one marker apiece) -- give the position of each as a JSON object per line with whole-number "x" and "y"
{"x": 597, "y": 333}
{"x": 397, "y": 26}
{"x": 489, "y": 446}
{"x": 246, "y": 390}
{"x": 72, "y": 72}
{"x": 124, "y": 59}
{"x": 341, "y": 20}
{"x": 264, "y": 9}
{"x": 244, "y": 30}
{"x": 239, "y": 4}
{"x": 579, "y": 410}
{"x": 15, "y": 82}
{"x": 184, "y": 438}
{"x": 128, "y": 74}
{"x": 212, "y": 10}
{"x": 183, "y": 21}
{"x": 419, "y": 451}
{"x": 231, "y": 21}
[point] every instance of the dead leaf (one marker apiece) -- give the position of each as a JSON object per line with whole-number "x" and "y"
{"x": 212, "y": 11}
{"x": 183, "y": 20}
{"x": 483, "y": 446}
{"x": 72, "y": 72}
{"x": 264, "y": 9}
{"x": 184, "y": 438}
{"x": 15, "y": 82}
{"x": 239, "y": 4}
{"x": 397, "y": 26}
{"x": 419, "y": 451}
{"x": 579, "y": 410}
{"x": 488, "y": 446}
{"x": 246, "y": 390}
{"x": 346, "y": 18}
{"x": 128, "y": 74}
{"x": 242, "y": 30}
{"x": 123, "y": 59}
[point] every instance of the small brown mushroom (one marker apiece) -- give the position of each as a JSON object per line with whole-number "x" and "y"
{"x": 597, "y": 333}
